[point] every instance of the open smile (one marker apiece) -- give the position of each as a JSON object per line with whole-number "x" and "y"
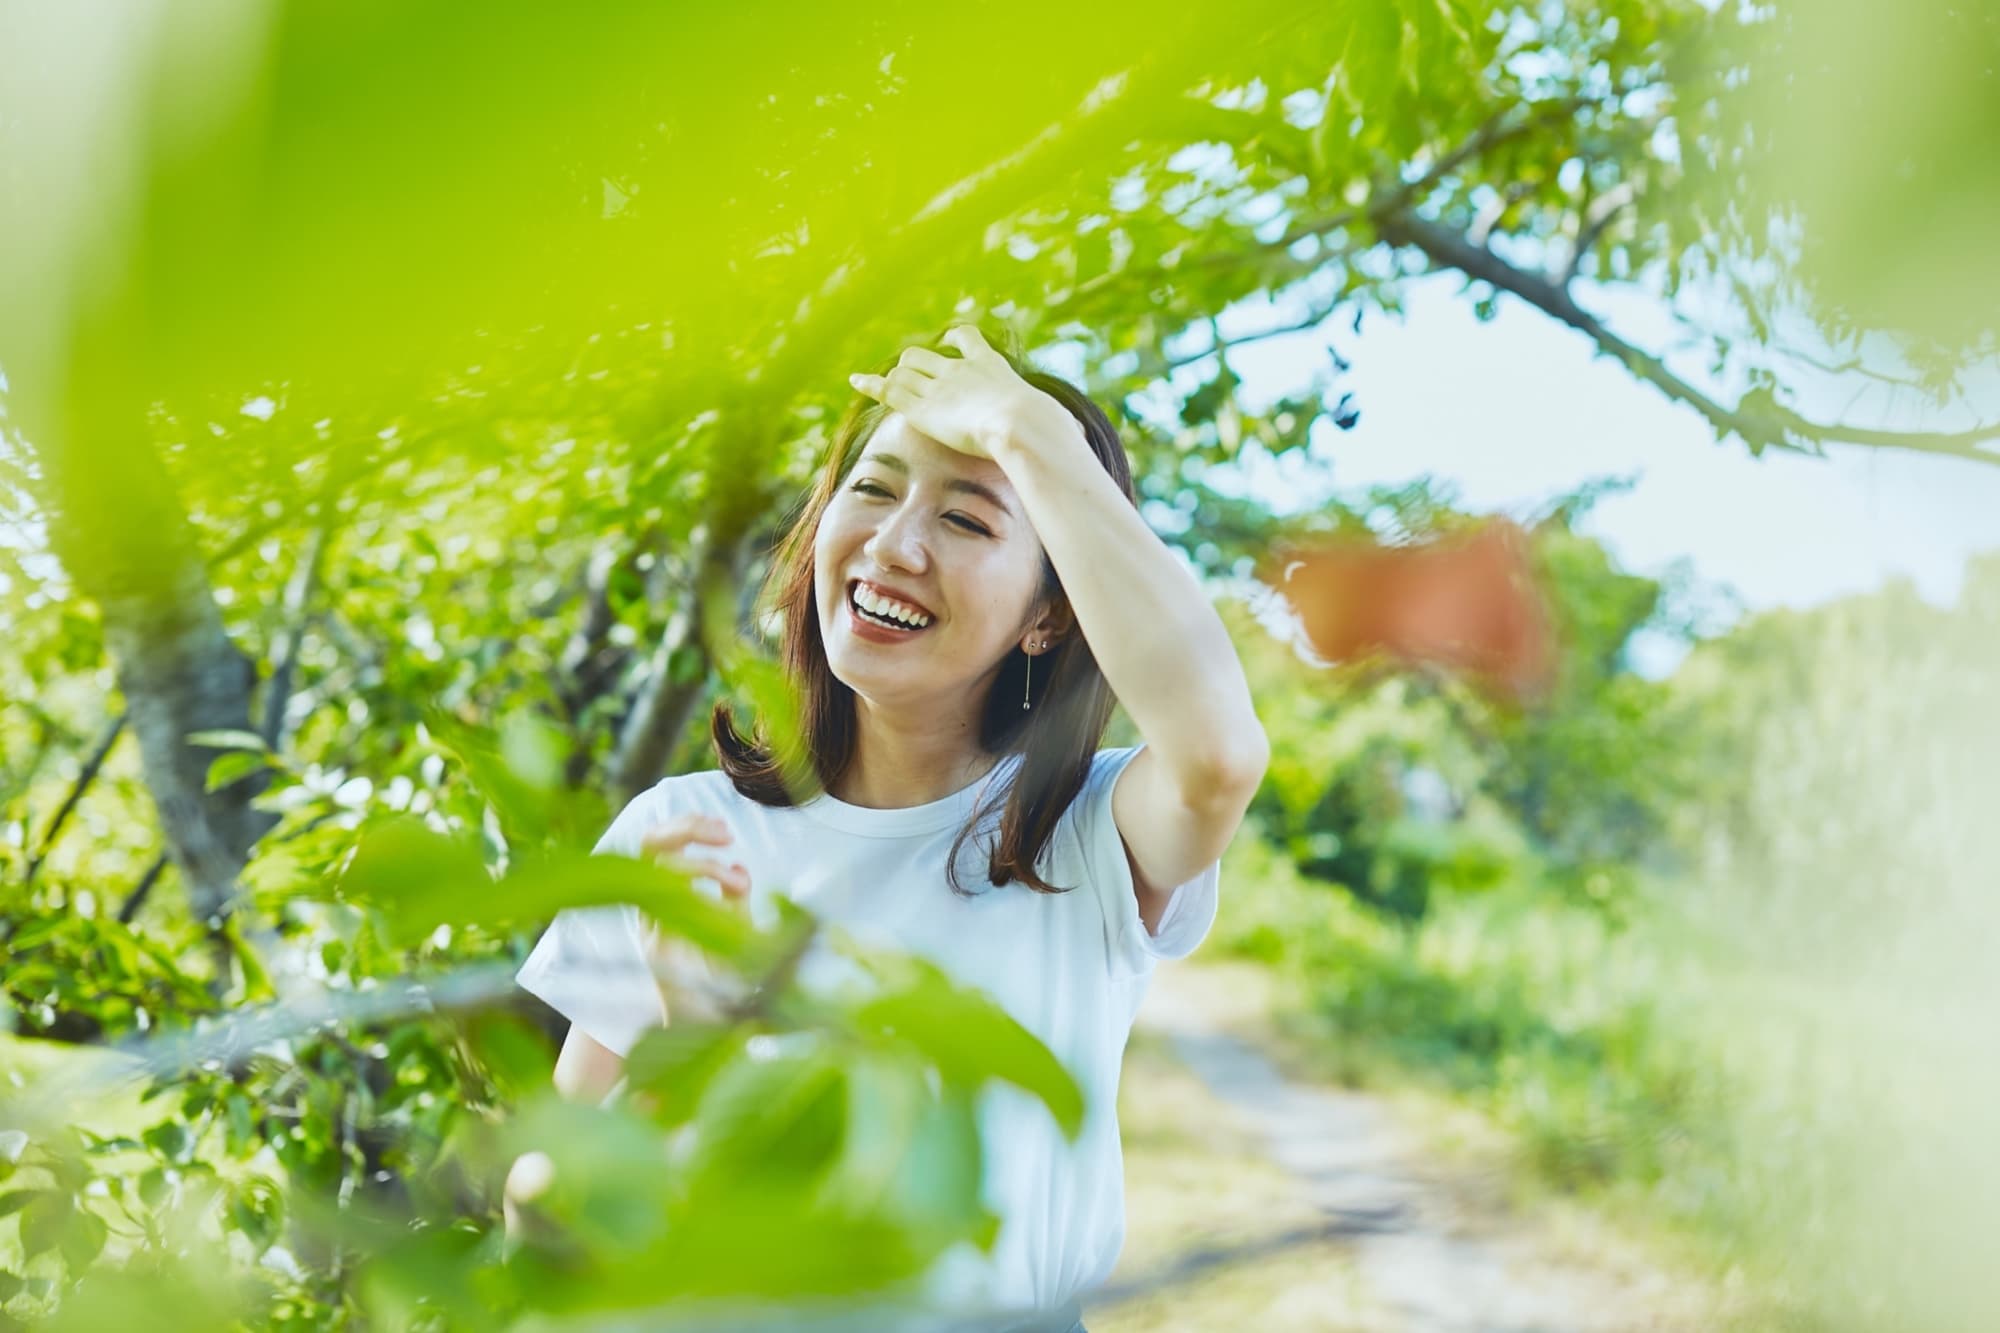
{"x": 880, "y": 622}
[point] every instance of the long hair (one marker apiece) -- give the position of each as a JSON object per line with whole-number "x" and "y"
{"x": 1056, "y": 737}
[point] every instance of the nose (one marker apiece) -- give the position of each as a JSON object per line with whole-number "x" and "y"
{"x": 898, "y": 542}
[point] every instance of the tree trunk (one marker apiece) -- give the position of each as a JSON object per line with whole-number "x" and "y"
{"x": 667, "y": 701}
{"x": 122, "y": 535}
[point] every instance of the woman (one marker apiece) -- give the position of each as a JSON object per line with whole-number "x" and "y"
{"x": 967, "y": 587}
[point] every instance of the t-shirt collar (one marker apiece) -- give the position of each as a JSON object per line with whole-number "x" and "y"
{"x": 930, "y": 817}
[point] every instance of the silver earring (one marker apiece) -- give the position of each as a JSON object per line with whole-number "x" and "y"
{"x": 1028, "y": 670}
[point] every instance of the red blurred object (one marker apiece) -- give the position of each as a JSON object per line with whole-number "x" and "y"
{"x": 1469, "y": 604}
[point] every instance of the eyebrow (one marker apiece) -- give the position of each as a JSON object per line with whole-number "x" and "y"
{"x": 983, "y": 491}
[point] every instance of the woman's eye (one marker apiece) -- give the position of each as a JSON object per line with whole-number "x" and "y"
{"x": 869, "y": 488}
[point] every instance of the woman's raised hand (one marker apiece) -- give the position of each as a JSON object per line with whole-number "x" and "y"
{"x": 963, "y": 402}
{"x": 668, "y": 842}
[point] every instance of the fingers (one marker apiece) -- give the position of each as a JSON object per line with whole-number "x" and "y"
{"x": 676, "y": 833}
{"x": 923, "y": 361}
{"x": 966, "y": 338}
{"x": 898, "y": 392}
{"x": 666, "y": 843}
{"x": 733, "y": 877}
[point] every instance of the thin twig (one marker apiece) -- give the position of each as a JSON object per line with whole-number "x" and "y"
{"x": 128, "y": 911}
{"x": 84, "y": 778}
{"x": 1219, "y": 345}
{"x": 298, "y": 592}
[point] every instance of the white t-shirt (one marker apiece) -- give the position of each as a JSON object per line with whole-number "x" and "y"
{"x": 1069, "y": 967}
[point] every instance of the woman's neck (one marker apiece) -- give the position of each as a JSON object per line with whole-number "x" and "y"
{"x": 906, "y": 757}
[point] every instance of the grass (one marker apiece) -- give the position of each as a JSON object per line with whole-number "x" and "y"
{"x": 1565, "y": 1055}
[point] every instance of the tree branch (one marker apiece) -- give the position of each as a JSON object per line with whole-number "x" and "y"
{"x": 1591, "y": 225}
{"x": 1759, "y": 420}
{"x": 84, "y": 778}
{"x": 666, "y": 700}
{"x": 298, "y": 591}
{"x": 128, "y": 911}
{"x": 1221, "y": 345}
{"x": 1501, "y": 127}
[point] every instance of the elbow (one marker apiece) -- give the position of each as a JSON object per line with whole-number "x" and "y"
{"x": 1248, "y": 767}
{"x": 1232, "y": 772}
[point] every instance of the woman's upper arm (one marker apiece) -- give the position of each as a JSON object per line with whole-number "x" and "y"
{"x": 1143, "y": 924}
{"x": 1169, "y": 838}
{"x": 586, "y": 1069}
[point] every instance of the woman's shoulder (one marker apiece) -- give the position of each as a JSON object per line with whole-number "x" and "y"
{"x": 703, "y": 784}
{"x": 1105, "y": 766}
{"x": 708, "y": 792}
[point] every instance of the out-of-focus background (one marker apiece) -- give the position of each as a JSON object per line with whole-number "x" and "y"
{"x": 401, "y": 403}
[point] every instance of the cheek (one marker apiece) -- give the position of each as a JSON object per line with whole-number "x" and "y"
{"x": 829, "y": 548}
{"x": 1001, "y": 588}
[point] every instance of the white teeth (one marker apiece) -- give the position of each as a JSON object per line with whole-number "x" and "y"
{"x": 888, "y": 608}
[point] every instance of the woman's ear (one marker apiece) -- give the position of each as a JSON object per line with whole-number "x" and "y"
{"x": 1055, "y": 623}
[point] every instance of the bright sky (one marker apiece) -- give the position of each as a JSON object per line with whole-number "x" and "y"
{"x": 1517, "y": 410}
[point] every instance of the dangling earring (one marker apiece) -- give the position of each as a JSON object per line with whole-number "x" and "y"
{"x": 1028, "y": 670}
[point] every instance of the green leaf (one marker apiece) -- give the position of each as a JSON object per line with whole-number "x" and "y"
{"x": 28, "y": 936}
{"x": 16, "y": 1201}
{"x": 153, "y": 1186}
{"x": 676, "y": 1063}
{"x": 779, "y": 1117}
{"x": 534, "y": 749}
{"x": 938, "y": 1184}
{"x": 229, "y": 739}
{"x": 83, "y": 1239}
{"x": 512, "y": 1053}
{"x": 43, "y": 1222}
{"x": 420, "y": 880}
{"x": 687, "y": 664}
{"x": 234, "y": 766}
{"x": 611, "y": 1175}
{"x": 256, "y": 979}
{"x": 171, "y": 1139}
{"x": 242, "y": 1121}
{"x": 109, "y": 1143}
{"x": 256, "y": 1208}
{"x": 887, "y": 1097}
{"x": 520, "y": 774}
{"x": 971, "y": 1039}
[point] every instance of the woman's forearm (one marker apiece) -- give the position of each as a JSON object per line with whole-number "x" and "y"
{"x": 1147, "y": 620}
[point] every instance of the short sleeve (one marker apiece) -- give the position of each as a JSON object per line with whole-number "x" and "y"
{"x": 1190, "y": 911}
{"x": 592, "y": 965}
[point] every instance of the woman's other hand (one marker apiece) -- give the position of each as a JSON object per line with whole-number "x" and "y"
{"x": 668, "y": 844}
{"x": 680, "y": 966}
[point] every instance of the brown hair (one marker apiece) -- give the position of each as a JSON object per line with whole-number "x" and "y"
{"x": 1056, "y": 738}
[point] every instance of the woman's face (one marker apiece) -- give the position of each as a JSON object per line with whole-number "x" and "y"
{"x": 947, "y": 532}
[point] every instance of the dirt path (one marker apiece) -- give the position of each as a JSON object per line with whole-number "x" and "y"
{"x": 1363, "y": 1227}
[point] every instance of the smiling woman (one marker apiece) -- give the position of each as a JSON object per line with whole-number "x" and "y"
{"x": 968, "y": 551}
{"x": 892, "y": 716}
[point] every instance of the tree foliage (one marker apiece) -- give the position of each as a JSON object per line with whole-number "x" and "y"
{"x": 399, "y": 414}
